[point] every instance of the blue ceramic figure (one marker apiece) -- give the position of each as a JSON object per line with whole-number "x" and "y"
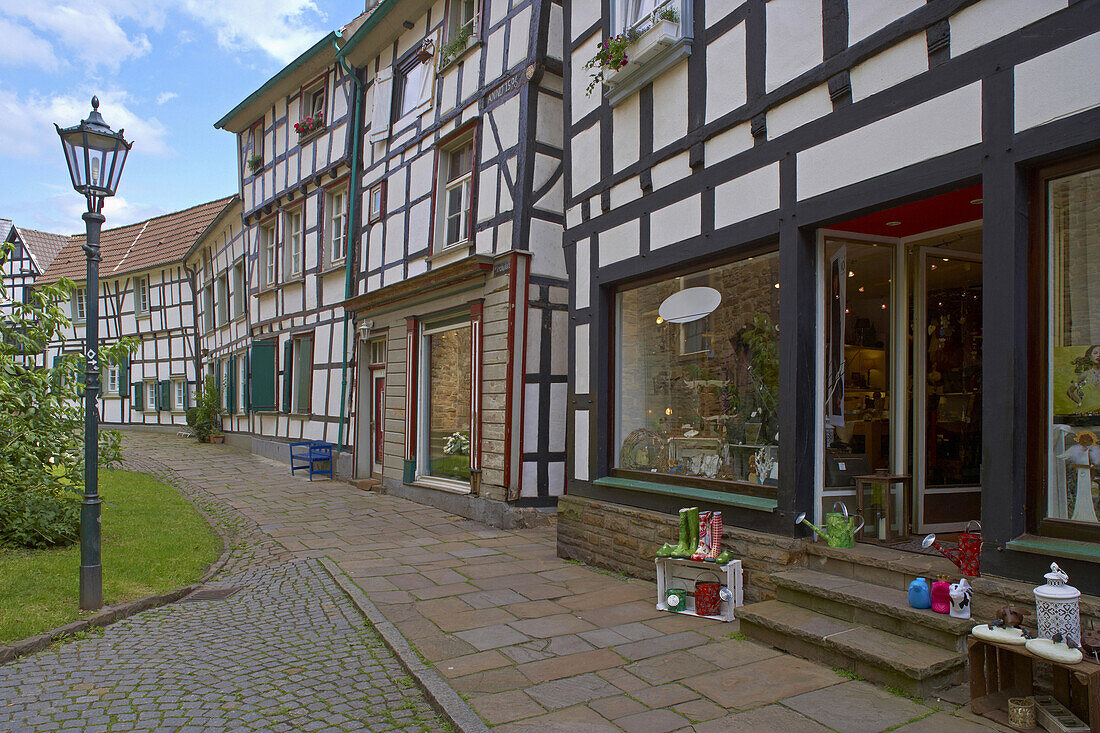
{"x": 919, "y": 594}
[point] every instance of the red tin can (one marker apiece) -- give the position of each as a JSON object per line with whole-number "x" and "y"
{"x": 707, "y": 601}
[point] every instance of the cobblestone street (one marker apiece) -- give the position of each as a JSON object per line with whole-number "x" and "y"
{"x": 531, "y": 642}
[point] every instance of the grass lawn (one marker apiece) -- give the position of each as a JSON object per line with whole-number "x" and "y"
{"x": 153, "y": 541}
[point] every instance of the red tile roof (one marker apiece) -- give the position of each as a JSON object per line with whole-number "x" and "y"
{"x": 158, "y": 241}
{"x": 43, "y": 246}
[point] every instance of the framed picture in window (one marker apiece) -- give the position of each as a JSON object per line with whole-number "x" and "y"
{"x": 376, "y": 202}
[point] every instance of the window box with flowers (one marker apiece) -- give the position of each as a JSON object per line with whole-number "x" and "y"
{"x": 647, "y": 46}
{"x": 255, "y": 163}
{"x": 310, "y": 125}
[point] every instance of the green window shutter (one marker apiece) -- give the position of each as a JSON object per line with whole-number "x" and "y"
{"x": 288, "y": 358}
{"x": 231, "y": 388}
{"x": 165, "y": 394}
{"x": 186, "y": 395}
{"x": 262, "y": 375}
{"x": 124, "y": 371}
{"x": 138, "y": 388}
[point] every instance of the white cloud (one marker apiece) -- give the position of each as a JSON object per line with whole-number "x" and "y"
{"x": 281, "y": 28}
{"x": 61, "y": 212}
{"x": 28, "y": 126}
{"x": 166, "y": 97}
{"x": 89, "y": 29}
{"x": 23, "y": 48}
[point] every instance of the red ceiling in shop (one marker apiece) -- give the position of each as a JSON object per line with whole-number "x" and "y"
{"x": 927, "y": 215}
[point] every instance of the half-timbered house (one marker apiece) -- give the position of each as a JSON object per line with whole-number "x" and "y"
{"x": 145, "y": 292}
{"x": 32, "y": 252}
{"x": 294, "y": 152}
{"x": 816, "y": 242}
{"x": 457, "y": 278}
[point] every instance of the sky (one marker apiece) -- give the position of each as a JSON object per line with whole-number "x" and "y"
{"x": 164, "y": 70}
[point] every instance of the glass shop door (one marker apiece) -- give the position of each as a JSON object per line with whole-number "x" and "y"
{"x": 947, "y": 389}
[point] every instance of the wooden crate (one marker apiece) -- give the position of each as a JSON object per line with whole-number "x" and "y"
{"x": 1001, "y": 671}
{"x": 673, "y": 573}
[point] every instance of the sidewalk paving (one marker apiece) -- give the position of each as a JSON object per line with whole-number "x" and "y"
{"x": 531, "y": 641}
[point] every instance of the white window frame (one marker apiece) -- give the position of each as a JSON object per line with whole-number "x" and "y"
{"x": 423, "y": 94}
{"x": 141, "y": 295}
{"x": 178, "y": 394}
{"x": 112, "y": 378}
{"x": 456, "y": 23}
{"x": 270, "y": 250}
{"x": 423, "y": 428}
{"x": 465, "y": 181}
{"x": 336, "y": 210}
{"x": 151, "y": 387}
{"x": 242, "y": 381}
{"x": 293, "y": 231}
{"x": 237, "y": 286}
{"x": 376, "y": 202}
{"x": 80, "y": 305}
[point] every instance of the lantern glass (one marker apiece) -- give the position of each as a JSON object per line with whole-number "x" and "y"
{"x": 95, "y": 155}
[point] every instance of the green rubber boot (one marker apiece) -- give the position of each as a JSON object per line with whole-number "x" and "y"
{"x": 685, "y": 549}
{"x": 724, "y": 558}
{"x": 668, "y": 550}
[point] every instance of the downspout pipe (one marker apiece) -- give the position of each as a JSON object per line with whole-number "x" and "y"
{"x": 353, "y": 200}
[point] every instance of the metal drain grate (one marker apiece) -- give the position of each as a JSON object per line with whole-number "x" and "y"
{"x": 212, "y": 594}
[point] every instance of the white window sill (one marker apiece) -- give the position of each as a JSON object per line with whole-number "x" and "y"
{"x": 657, "y": 50}
{"x": 441, "y": 484}
{"x": 142, "y": 314}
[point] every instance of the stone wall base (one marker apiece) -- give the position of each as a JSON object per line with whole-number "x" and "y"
{"x": 624, "y": 539}
{"x": 479, "y": 508}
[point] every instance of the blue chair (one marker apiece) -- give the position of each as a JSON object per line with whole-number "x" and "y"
{"x": 309, "y": 454}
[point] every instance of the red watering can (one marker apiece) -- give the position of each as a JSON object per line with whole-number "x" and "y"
{"x": 967, "y": 555}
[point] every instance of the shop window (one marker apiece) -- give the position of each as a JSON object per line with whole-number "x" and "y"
{"x": 457, "y": 167}
{"x": 445, "y": 402}
{"x": 1072, "y": 214}
{"x": 697, "y": 393}
{"x": 293, "y": 245}
{"x": 336, "y": 207}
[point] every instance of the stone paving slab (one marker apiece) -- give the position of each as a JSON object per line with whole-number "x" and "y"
{"x": 533, "y": 642}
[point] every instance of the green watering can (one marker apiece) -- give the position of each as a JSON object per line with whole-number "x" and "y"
{"x": 840, "y": 528}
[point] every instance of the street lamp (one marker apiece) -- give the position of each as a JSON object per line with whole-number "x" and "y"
{"x": 95, "y": 155}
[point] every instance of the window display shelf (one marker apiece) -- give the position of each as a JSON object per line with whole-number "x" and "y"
{"x": 677, "y": 574}
{"x": 744, "y": 501}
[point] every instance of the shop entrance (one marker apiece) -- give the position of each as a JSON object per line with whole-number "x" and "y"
{"x": 901, "y": 371}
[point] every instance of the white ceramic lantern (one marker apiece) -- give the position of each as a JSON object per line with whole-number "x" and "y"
{"x": 1056, "y": 605}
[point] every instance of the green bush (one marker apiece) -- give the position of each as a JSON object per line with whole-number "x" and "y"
{"x": 192, "y": 416}
{"x": 208, "y": 418}
{"x": 110, "y": 448}
{"x": 38, "y": 519}
{"x": 42, "y": 417}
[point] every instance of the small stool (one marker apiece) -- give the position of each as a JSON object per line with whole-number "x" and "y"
{"x": 881, "y": 515}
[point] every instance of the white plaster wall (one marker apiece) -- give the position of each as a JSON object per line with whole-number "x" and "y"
{"x": 585, "y": 153}
{"x": 625, "y": 192}
{"x": 581, "y": 364}
{"x": 797, "y": 112}
{"x": 1058, "y": 83}
{"x": 555, "y": 34}
{"x": 550, "y": 121}
{"x": 675, "y": 222}
{"x": 583, "y": 15}
{"x": 990, "y": 19}
{"x": 718, "y": 10}
{"x": 620, "y": 243}
{"x": 507, "y": 118}
{"x": 584, "y": 103}
{"x": 947, "y": 123}
{"x": 726, "y": 79}
{"x": 520, "y": 33}
{"x": 395, "y": 233}
{"x": 793, "y": 40}
{"x": 583, "y": 273}
{"x": 727, "y": 144}
{"x": 580, "y": 445}
{"x": 894, "y": 65}
{"x": 670, "y": 106}
{"x": 625, "y": 128}
{"x": 669, "y": 171}
{"x": 420, "y": 217}
{"x": 749, "y": 195}
{"x": 545, "y": 244}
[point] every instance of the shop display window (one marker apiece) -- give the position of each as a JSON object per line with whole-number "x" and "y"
{"x": 697, "y": 390}
{"x": 1072, "y": 219}
{"x": 445, "y": 390}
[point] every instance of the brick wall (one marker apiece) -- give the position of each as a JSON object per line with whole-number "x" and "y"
{"x": 624, "y": 539}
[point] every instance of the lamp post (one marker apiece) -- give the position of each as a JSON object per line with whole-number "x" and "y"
{"x": 95, "y": 155}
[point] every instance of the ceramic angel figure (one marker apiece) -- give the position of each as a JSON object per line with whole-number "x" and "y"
{"x": 1083, "y": 457}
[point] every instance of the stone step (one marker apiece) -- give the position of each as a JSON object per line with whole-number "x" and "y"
{"x": 883, "y": 608}
{"x": 916, "y": 668}
{"x": 878, "y": 565}
{"x": 368, "y": 484}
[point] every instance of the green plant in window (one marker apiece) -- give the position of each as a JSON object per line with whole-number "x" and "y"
{"x": 255, "y": 163}
{"x": 455, "y": 46}
{"x": 668, "y": 13}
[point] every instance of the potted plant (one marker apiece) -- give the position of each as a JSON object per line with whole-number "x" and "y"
{"x": 208, "y": 412}
{"x": 309, "y": 124}
{"x": 255, "y": 163}
{"x": 644, "y": 41}
{"x": 454, "y": 47}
